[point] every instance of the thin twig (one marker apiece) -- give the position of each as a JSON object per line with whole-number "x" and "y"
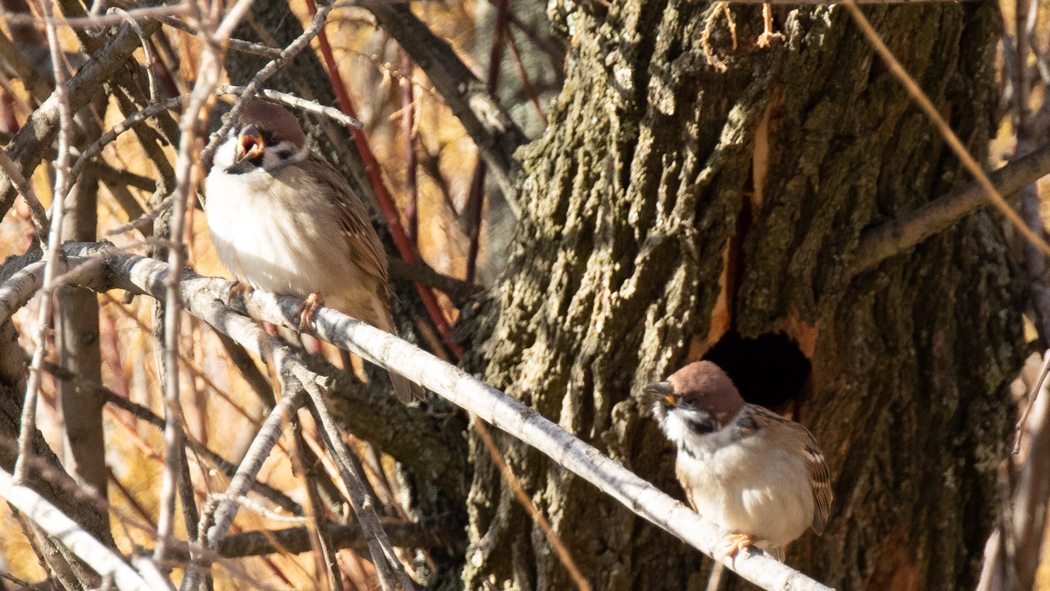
{"x": 383, "y": 196}
{"x": 457, "y": 290}
{"x": 70, "y": 534}
{"x": 894, "y": 237}
{"x": 383, "y": 556}
{"x": 293, "y": 101}
{"x": 234, "y": 44}
{"x": 946, "y": 131}
{"x": 408, "y": 126}
{"x": 530, "y": 507}
{"x": 1030, "y": 493}
{"x": 303, "y": 41}
{"x": 1033, "y": 394}
{"x": 15, "y": 580}
{"x": 37, "y": 213}
{"x": 54, "y": 254}
{"x": 255, "y": 507}
{"x": 139, "y": 14}
{"x": 326, "y": 564}
{"x": 296, "y": 540}
{"x": 147, "y": 49}
{"x": 476, "y": 199}
{"x": 530, "y": 90}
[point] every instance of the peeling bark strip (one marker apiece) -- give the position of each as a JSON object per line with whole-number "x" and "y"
{"x": 642, "y": 213}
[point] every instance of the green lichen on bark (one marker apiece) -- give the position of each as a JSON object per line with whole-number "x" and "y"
{"x": 630, "y": 199}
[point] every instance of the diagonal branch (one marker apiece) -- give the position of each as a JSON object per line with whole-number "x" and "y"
{"x": 69, "y": 533}
{"x": 28, "y": 145}
{"x": 488, "y": 123}
{"x": 892, "y": 238}
{"x": 131, "y": 272}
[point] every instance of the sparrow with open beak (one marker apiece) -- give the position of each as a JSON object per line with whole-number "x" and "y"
{"x": 759, "y": 477}
{"x": 284, "y": 220}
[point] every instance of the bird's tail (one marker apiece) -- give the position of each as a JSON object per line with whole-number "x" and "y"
{"x": 406, "y": 389}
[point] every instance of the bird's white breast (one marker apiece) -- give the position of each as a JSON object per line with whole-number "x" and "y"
{"x": 746, "y": 486}
{"x": 277, "y": 232}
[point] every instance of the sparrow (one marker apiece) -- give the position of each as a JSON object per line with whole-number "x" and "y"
{"x": 759, "y": 477}
{"x": 284, "y": 220}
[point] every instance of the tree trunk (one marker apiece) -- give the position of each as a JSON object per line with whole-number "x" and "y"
{"x": 694, "y": 186}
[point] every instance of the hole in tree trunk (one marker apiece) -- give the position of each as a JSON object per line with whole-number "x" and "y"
{"x": 768, "y": 370}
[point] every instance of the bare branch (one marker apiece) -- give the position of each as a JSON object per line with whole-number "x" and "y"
{"x": 293, "y": 101}
{"x": 302, "y": 42}
{"x": 54, "y": 248}
{"x": 221, "y": 510}
{"x": 147, "y": 276}
{"x": 70, "y": 534}
{"x": 488, "y": 123}
{"x": 142, "y": 14}
{"x": 949, "y": 136}
{"x": 892, "y": 238}
{"x": 36, "y": 210}
{"x": 296, "y": 540}
{"x": 457, "y": 290}
{"x": 28, "y": 145}
{"x": 383, "y": 556}
{"x": 234, "y": 44}
{"x": 15, "y": 63}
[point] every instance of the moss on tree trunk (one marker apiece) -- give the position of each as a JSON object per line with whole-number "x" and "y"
{"x": 686, "y": 188}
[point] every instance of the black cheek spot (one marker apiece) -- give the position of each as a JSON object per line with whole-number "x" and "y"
{"x": 701, "y": 426}
{"x": 286, "y": 153}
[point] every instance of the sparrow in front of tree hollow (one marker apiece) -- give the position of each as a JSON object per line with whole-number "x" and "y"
{"x": 759, "y": 477}
{"x": 284, "y": 220}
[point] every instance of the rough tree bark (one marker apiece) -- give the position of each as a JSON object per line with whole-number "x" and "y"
{"x": 690, "y": 185}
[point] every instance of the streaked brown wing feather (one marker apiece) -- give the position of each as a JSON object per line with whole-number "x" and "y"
{"x": 361, "y": 242}
{"x": 819, "y": 475}
{"x": 819, "y": 479}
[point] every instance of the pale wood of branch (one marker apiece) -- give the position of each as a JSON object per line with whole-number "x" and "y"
{"x": 69, "y": 533}
{"x": 202, "y": 295}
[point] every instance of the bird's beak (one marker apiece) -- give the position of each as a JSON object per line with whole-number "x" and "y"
{"x": 661, "y": 392}
{"x": 249, "y": 144}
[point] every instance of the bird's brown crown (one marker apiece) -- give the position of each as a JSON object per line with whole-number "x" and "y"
{"x": 274, "y": 120}
{"x": 706, "y": 386}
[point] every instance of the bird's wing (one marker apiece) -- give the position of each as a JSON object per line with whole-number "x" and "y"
{"x": 819, "y": 475}
{"x": 819, "y": 479}
{"x": 359, "y": 238}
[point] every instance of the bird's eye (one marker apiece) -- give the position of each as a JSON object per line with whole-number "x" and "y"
{"x": 684, "y": 402}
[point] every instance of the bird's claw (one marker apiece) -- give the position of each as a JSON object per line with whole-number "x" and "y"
{"x": 241, "y": 288}
{"x": 738, "y": 542}
{"x": 308, "y": 310}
